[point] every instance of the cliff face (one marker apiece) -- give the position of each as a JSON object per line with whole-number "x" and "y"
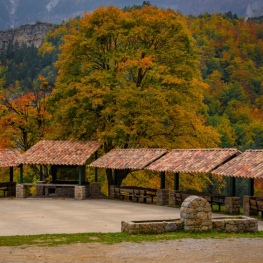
{"x": 27, "y": 34}
{"x": 255, "y": 9}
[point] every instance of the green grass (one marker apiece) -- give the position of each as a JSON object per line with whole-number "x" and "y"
{"x": 111, "y": 238}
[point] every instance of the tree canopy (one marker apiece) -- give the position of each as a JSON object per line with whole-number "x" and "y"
{"x": 130, "y": 79}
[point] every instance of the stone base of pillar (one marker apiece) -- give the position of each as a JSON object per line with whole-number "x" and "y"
{"x": 95, "y": 190}
{"x": 232, "y": 205}
{"x": 162, "y": 197}
{"x": 22, "y": 191}
{"x": 80, "y": 192}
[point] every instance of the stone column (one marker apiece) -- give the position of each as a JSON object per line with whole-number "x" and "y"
{"x": 172, "y": 197}
{"x": 232, "y": 205}
{"x": 196, "y": 214}
{"x": 246, "y": 205}
{"x": 80, "y": 192}
{"x": 21, "y": 191}
{"x": 95, "y": 190}
{"x": 111, "y": 193}
{"x": 162, "y": 197}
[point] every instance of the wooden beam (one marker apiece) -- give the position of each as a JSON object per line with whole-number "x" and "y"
{"x": 176, "y": 181}
{"x": 232, "y": 191}
{"x": 114, "y": 177}
{"x": 82, "y": 172}
{"x": 11, "y": 174}
{"x": 96, "y": 169}
{"x": 162, "y": 183}
{"x": 21, "y": 174}
{"x": 251, "y": 189}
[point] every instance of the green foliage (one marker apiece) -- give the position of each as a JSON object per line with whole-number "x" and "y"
{"x": 25, "y": 65}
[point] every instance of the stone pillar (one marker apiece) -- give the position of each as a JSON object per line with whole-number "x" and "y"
{"x": 196, "y": 214}
{"x": 111, "y": 193}
{"x": 232, "y": 205}
{"x": 172, "y": 197}
{"x": 21, "y": 191}
{"x": 80, "y": 192}
{"x": 246, "y": 205}
{"x": 95, "y": 190}
{"x": 162, "y": 197}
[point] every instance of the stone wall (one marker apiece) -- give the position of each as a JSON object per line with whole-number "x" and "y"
{"x": 232, "y": 205}
{"x": 151, "y": 227}
{"x": 235, "y": 224}
{"x": 196, "y": 215}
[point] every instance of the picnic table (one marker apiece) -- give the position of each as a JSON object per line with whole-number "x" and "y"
{"x": 7, "y": 188}
{"x": 135, "y": 192}
{"x": 213, "y": 199}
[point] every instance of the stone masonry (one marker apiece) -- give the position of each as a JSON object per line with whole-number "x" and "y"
{"x": 196, "y": 214}
{"x": 162, "y": 197}
{"x": 232, "y": 205}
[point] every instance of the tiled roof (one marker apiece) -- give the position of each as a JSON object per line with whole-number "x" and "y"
{"x": 248, "y": 165}
{"x": 192, "y": 160}
{"x": 135, "y": 159}
{"x": 9, "y": 158}
{"x": 60, "y": 152}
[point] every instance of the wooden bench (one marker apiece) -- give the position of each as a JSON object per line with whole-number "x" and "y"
{"x": 217, "y": 200}
{"x": 4, "y": 190}
{"x": 121, "y": 193}
{"x": 256, "y": 205}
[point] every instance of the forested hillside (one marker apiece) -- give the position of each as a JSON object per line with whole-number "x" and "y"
{"x": 144, "y": 78}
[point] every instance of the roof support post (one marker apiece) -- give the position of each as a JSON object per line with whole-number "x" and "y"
{"x": 11, "y": 174}
{"x": 21, "y": 174}
{"x": 176, "y": 181}
{"x": 232, "y": 186}
{"x": 114, "y": 177}
{"x": 96, "y": 169}
{"x": 54, "y": 173}
{"x": 251, "y": 187}
{"x": 82, "y": 171}
{"x": 40, "y": 173}
{"x": 162, "y": 183}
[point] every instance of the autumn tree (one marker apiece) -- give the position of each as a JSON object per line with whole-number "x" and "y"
{"x": 23, "y": 115}
{"x": 130, "y": 79}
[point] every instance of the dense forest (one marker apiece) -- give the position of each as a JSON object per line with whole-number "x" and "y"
{"x": 191, "y": 82}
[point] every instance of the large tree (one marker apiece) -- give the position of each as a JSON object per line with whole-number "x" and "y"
{"x": 130, "y": 79}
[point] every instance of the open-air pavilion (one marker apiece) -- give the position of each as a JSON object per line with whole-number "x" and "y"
{"x": 191, "y": 161}
{"x": 122, "y": 162}
{"x": 9, "y": 158}
{"x": 247, "y": 165}
{"x": 57, "y": 155}
{"x": 128, "y": 159}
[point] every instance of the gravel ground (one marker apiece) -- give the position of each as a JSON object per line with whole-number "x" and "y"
{"x": 180, "y": 251}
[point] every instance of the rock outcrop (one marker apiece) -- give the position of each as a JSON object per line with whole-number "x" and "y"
{"x": 26, "y": 34}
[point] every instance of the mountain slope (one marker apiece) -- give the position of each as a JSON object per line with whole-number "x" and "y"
{"x": 14, "y": 13}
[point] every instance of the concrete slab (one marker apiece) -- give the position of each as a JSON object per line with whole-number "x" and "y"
{"x": 33, "y": 216}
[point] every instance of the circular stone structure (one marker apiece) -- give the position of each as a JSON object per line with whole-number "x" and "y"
{"x": 196, "y": 214}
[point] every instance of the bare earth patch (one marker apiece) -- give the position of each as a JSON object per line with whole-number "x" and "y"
{"x": 186, "y": 250}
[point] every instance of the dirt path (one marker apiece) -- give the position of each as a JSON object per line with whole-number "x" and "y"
{"x": 180, "y": 251}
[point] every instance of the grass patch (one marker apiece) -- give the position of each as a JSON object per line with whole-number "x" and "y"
{"x": 112, "y": 238}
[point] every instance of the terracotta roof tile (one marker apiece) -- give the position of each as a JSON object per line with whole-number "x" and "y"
{"x": 9, "y": 158}
{"x": 128, "y": 158}
{"x": 60, "y": 152}
{"x": 247, "y": 165}
{"x": 192, "y": 160}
